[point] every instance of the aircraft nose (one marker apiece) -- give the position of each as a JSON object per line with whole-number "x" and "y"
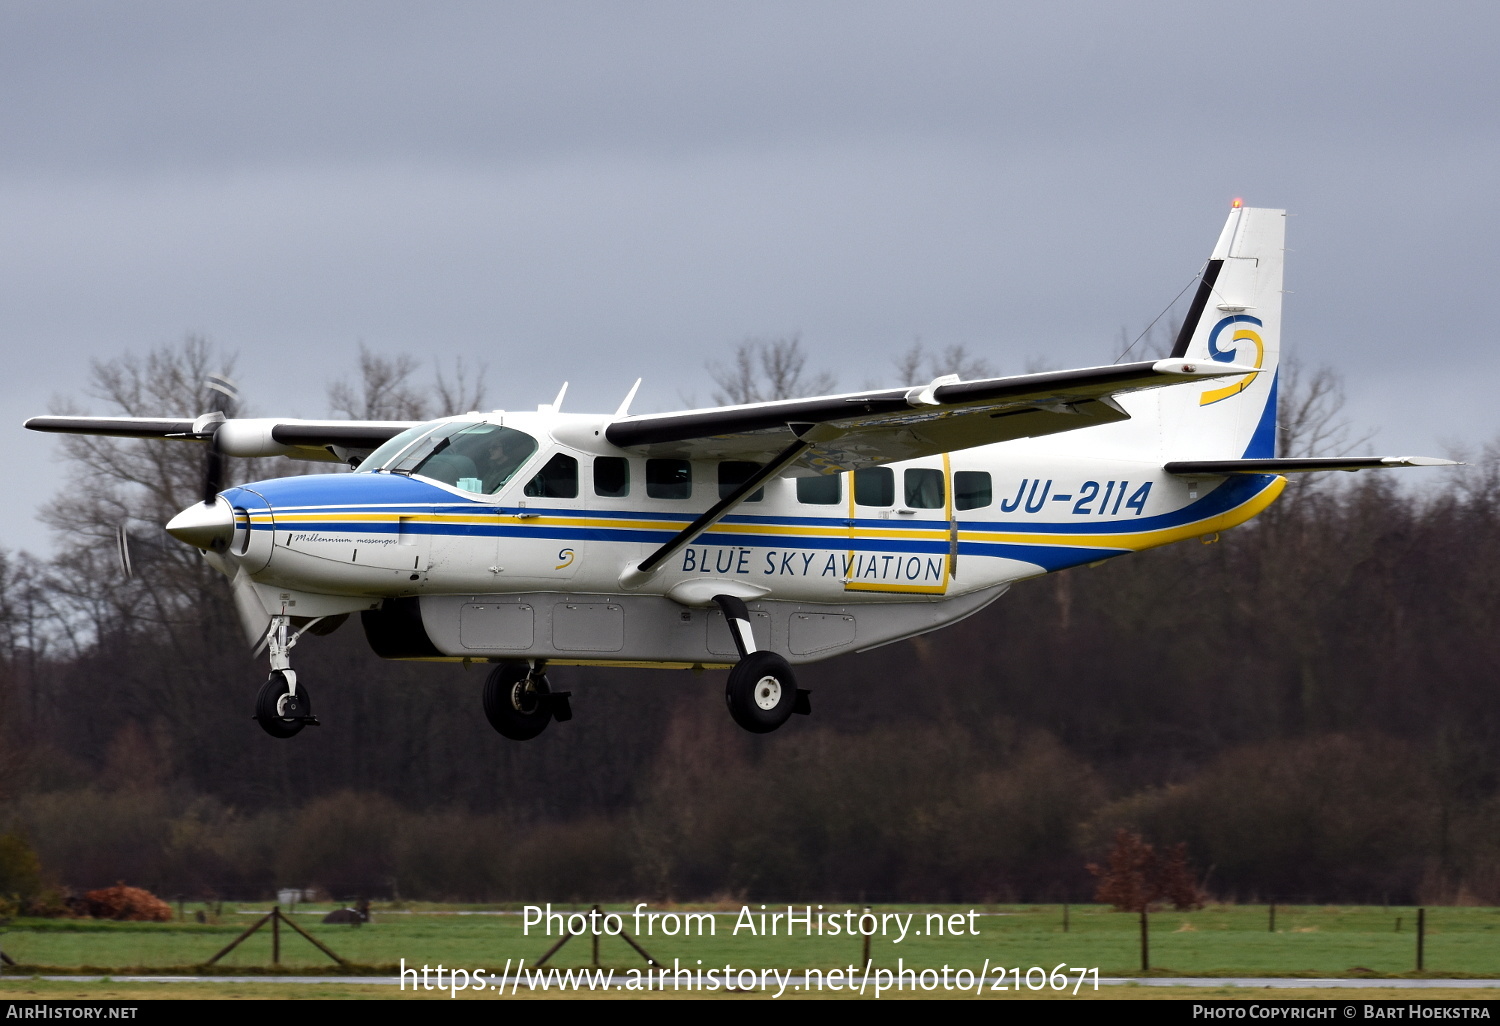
{"x": 204, "y": 525}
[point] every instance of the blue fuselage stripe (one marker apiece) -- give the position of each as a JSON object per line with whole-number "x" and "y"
{"x": 332, "y": 506}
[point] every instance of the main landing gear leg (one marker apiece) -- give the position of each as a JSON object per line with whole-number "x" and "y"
{"x": 762, "y": 692}
{"x": 519, "y": 701}
{"x": 283, "y": 707}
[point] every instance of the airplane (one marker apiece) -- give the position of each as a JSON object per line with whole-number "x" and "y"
{"x": 754, "y": 537}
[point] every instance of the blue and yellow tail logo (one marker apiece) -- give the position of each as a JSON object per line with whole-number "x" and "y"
{"x": 1247, "y": 334}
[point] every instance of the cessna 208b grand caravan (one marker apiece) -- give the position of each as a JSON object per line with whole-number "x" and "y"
{"x": 755, "y": 536}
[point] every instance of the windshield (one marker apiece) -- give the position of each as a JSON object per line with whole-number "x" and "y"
{"x": 473, "y": 457}
{"x": 383, "y": 455}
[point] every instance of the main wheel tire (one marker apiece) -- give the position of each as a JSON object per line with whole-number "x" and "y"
{"x": 278, "y": 711}
{"x": 762, "y": 691}
{"x": 513, "y": 702}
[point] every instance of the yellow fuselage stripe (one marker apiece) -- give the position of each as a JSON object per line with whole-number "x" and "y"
{"x": 1133, "y": 541}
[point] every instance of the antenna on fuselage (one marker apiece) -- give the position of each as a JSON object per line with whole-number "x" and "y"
{"x": 624, "y": 409}
{"x": 556, "y": 404}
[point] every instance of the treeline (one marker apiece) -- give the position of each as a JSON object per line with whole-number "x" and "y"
{"x": 1309, "y": 702}
{"x": 879, "y": 814}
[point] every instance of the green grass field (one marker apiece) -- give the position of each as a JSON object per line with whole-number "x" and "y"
{"x": 1219, "y": 940}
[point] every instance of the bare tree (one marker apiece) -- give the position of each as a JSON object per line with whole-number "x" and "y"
{"x": 137, "y": 486}
{"x": 463, "y": 392}
{"x": 767, "y": 369}
{"x": 123, "y": 480}
{"x": 1310, "y": 415}
{"x": 386, "y": 389}
{"x": 917, "y": 364}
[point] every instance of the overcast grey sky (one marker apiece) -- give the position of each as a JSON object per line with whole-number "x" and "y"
{"x": 600, "y": 191}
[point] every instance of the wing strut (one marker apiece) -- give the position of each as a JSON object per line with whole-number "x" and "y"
{"x": 637, "y": 575}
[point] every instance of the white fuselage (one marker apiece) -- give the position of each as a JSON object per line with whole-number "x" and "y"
{"x": 914, "y": 535}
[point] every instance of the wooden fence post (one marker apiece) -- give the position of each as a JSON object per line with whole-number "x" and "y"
{"x": 624, "y": 936}
{"x": 1421, "y": 935}
{"x": 275, "y": 918}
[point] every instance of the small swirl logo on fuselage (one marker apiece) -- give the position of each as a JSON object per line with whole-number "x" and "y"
{"x": 1241, "y": 335}
{"x": 567, "y": 556}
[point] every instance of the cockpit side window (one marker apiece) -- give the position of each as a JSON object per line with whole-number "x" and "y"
{"x": 557, "y": 480}
{"x": 611, "y": 476}
{"x": 472, "y": 457}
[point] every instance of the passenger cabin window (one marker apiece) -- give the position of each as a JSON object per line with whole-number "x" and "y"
{"x": 733, "y": 473}
{"x": 557, "y": 480}
{"x": 473, "y": 457}
{"x": 875, "y": 486}
{"x": 612, "y": 477}
{"x": 972, "y": 489}
{"x": 669, "y": 479}
{"x": 824, "y": 490}
{"x": 924, "y": 488}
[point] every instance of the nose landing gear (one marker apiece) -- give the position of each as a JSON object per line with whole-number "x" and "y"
{"x": 283, "y": 707}
{"x": 280, "y": 711}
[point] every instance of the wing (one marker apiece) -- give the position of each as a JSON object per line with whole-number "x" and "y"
{"x": 299, "y": 439}
{"x": 869, "y": 428}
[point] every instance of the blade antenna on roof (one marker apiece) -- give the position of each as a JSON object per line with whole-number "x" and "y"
{"x": 624, "y": 410}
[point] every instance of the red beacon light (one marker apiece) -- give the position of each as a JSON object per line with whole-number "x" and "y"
{"x": 1237, "y": 203}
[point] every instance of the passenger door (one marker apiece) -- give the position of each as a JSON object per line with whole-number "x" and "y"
{"x": 902, "y": 535}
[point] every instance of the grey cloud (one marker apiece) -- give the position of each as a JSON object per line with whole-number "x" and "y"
{"x": 596, "y": 191}
{"x": 154, "y": 85}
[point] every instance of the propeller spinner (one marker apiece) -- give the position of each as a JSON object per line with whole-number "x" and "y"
{"x": 204, "y": 525}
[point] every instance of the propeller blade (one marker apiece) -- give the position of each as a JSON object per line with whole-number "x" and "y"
{"x": 213, "y": 470}
{"x": 226, "y": 394}
{"x": 223, "y": 398}
{"x": 122, "y": 543}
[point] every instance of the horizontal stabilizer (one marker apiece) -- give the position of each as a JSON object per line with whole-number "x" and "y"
{"x": 1303, "y": 466}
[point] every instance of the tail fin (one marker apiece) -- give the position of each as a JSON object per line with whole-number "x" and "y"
{"x": 1235, "y": 318}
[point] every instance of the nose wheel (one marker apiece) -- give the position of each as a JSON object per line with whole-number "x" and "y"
{"x": 283, "y": 706}
{"x": 280, "y": 711}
